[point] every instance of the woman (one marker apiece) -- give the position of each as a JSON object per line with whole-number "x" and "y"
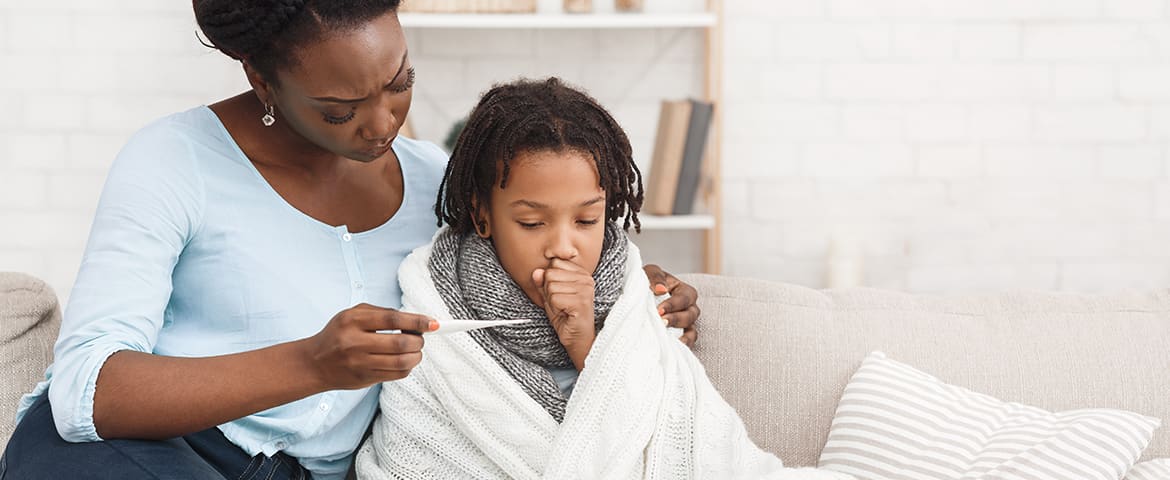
{"x": 212, "y": 330}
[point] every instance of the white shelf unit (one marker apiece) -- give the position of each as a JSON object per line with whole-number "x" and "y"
{"x": 677, "y": 222}
{"x": 558, "y": 20}
{"x": 710, "y": 21}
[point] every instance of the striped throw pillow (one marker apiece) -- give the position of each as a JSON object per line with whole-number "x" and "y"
{"x": 896, "y": 422}
{"x": 1152, "y": 470}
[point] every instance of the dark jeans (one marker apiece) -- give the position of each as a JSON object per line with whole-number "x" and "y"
{"x": 37, "y": 452}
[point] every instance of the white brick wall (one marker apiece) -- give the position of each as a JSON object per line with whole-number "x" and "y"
{"x": 987, "y": 145}
{"x": 963, "y": 145}
{"x": 80, "y": 77}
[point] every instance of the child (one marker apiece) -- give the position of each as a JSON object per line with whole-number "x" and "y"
{"x": 536, "y": 187}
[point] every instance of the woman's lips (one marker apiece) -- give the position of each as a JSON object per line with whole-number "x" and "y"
{"x": 380, "y": 150}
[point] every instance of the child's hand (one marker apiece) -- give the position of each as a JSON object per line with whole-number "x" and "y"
{"x": 567, "y": 292}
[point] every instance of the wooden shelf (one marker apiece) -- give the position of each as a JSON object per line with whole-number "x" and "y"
{"x": 677, "y": 222}
{"x": 558, "y": 20}
{"x": 710, "y": 25}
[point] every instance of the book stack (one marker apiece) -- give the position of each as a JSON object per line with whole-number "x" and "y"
{"x": 677, "y": 167}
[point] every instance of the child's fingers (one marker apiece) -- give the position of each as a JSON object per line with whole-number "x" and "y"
{"x": 563, "y": 302}
{"x": 566, "y": 276}
{"x": 562, "y": 264}
{"x": 567, "y": 288}
{"x": 540, "y": 279}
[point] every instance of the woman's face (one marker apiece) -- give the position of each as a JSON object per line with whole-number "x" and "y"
{"x": 552, "y": 207}
{"x": 350, "y": 92}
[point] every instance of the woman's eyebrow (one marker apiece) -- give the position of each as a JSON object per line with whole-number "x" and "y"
{"x": 401, "y": 66}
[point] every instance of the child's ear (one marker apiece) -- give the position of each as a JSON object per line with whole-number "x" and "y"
{"x": 481, "y": 227}
{"x": 479, "y": 220}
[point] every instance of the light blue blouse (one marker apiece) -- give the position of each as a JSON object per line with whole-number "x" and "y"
{"x": 193, "y": 254}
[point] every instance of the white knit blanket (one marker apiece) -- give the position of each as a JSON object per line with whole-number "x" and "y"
{"x": 642, "y": 408}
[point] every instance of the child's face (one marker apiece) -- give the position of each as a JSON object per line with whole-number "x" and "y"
{"x": 553, "y": 207}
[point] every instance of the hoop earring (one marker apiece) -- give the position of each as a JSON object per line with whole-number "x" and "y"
{"x": 269, "y": 117}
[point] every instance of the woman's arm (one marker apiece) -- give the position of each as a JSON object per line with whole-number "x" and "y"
{"x": 150, "y": 208}
{"x": 140, "y": 395}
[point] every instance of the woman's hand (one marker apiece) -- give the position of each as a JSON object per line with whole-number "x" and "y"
{"x": 680, "y": 310}
{"x": 567, "y": 291}
{"x": 349, "y": 353}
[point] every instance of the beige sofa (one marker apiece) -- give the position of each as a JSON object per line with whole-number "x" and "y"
{"x": 782, "y": 354}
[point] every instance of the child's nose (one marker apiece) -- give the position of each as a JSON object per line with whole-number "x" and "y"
{"x": 561, "y": 245}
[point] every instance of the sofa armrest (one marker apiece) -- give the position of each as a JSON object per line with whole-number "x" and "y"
{"x": 30, "y": 318}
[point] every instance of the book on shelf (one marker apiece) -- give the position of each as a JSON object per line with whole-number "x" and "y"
{"x": 666, "y": 161}
{"x": 690, "y": 176}
{"x": 677, "y": 165}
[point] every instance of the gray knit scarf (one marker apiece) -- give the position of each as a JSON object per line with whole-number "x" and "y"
{"x": 473, "y": 284}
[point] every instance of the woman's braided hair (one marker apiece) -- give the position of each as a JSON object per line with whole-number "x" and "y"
{"x": 267, "y": 33}
{"x": 537, "y": 115}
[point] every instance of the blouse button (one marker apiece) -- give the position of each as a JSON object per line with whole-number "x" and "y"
{"x": 347, "y": 237}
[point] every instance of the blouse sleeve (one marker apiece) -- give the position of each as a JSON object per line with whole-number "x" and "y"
{"x": 150, "y": 208}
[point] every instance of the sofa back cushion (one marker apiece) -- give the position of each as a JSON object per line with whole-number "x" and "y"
{"x": 29, "y": 320}
{"x": 782, "y": 354}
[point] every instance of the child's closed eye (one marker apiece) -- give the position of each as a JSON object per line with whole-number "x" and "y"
{"x": 535, "y": 225}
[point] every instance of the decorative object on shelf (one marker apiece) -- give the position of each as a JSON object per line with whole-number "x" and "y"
{"x": 629, "y": 5}
{"x": 578, "y": 6}
{"x": 468, "y": 6}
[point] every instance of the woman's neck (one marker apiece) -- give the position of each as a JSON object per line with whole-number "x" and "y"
{"x": 278, "y": 146}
